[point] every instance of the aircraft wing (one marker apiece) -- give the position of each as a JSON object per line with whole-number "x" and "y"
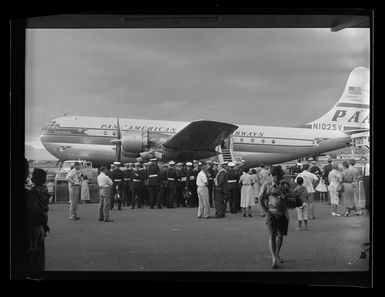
{"x": 355, "y": 131}
{"x": 200, "y": 135}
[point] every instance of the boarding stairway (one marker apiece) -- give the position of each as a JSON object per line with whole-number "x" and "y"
{"x": 226, "y": 154}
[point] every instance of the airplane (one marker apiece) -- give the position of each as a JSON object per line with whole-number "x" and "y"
{"x": 105, "y": 140}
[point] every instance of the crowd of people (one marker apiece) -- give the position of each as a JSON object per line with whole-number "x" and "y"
{"x": 229, "y": 187}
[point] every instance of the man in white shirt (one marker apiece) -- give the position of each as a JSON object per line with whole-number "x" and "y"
{"x": 308, "y": 182}
{"x": 203, "y": 193}
{"x": 74, "y": 190}
{"x": 105, "y": 183}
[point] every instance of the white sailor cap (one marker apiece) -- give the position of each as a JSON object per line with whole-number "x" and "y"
{"x": 188, "y": 164}
{"x": 116, "y": 163}
{"x": 126, "y": 164}
{"x": 224, "y": 163}
{"x": 123, "y": 168}
{"x": 215, "y": 163}
{"x": 180, "y": 164}
{"x": 153, "y": 159}
{"x": 299, "y": 164}
{"x": 137, "y": 164}
{"x": 171, "y": 163}
{"x": 231, "y": 164}
{"x": 243, "y": 161}
{"x": 165, "y": 165}
{"x": 199, "y": 163}
{"x": 195, "y": 161}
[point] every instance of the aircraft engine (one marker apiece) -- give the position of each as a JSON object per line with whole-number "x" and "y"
{"x": 134, "y": 142}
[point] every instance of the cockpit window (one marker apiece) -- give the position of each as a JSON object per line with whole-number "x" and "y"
{"x": 51, "y": 125}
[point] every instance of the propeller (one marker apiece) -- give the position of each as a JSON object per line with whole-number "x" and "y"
{"x": 118, "y": 141}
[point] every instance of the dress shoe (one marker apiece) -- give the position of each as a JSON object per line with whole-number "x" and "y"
{"x": 108, "y": 221}
{"x": 101, "y": 219}
{"x": 250, "y": 215}
{"x": 244, "y": 215}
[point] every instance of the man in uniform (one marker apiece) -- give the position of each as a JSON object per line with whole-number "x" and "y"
{"x": 137, "y": 185}
{"x": 146, "y": 192}
{"x": 233, "y": 187}
{"x": 125, "y": 182}
{"x": 221, "y": 191}
{"x": 117, "y": 177}
{"x": 163, "y": 186}
{"x": 196, "y": 170}
{"x": 153, "y": 174}
{"x": 210, "y": 177}
{"x": 180, "y": 184}
{"x": 126, "y": 185}
{"x": 190, "y": 183}
{"x": 171, "y": 178}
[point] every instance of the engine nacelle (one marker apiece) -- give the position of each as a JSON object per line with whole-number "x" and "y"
{"x": 134, "y": 141}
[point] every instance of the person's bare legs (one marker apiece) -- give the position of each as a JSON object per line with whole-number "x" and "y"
{"x": 279, "y": 241}
{"x": 273, "y": 248}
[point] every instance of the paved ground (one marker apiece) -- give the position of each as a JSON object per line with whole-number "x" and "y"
{"x": 175, "y": 240}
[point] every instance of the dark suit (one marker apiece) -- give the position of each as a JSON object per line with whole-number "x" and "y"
{"x": 146, "y": 193}
{"x": 220, "y": 193}
{"x": 126, "y": 191}
{"x": 325, "y": 174}
{"x": 171, "y": 178}
{"x": 163, "y": 188}
{"x": 211, "y": 176}
{"x": 117, "y": 177}
{"x": 191, "y": 185}
{"x": 153, "y": 174}
{"x": 195, "y": 193}
{"x": 233, "y": 188}
{"x": 180, "y": 185}
{"x": 137, "y": 186}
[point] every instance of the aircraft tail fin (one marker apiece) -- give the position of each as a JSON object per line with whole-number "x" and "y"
{"x": 351, "y": 112}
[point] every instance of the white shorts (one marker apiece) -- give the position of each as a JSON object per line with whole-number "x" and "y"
{"x": 302, "y": 213}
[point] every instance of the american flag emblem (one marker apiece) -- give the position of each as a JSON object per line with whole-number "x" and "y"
{"x": 355, "y": 90}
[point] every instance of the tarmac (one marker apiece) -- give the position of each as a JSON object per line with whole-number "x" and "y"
{"x": 176, "y": 240}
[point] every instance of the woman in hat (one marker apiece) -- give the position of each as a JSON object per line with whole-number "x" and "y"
{"x": 247, "y": 193}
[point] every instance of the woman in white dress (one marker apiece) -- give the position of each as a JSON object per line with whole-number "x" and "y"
{"x": 322, "y": 189}
{"x": 85, "y": 190}
{"x": 247, "y": 193}
{"x": 334, "y": 181}
{"x": 256, "y": 186}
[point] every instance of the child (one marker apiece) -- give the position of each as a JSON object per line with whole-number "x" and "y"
{"x": 302, "y": 211}
{"x": 85, "y": 190}
{"x": 322, "y": 189}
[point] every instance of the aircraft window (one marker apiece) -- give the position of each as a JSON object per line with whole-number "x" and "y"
{"x": 252, "y": 140}
{"x": 262, "y": 140}
{"x": 241, "y": 139}
{"x": 273, "y": 141}
{"x": 105, "y": 132}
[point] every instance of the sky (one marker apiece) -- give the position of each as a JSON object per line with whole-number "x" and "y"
{"x": 250, "y": 76}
